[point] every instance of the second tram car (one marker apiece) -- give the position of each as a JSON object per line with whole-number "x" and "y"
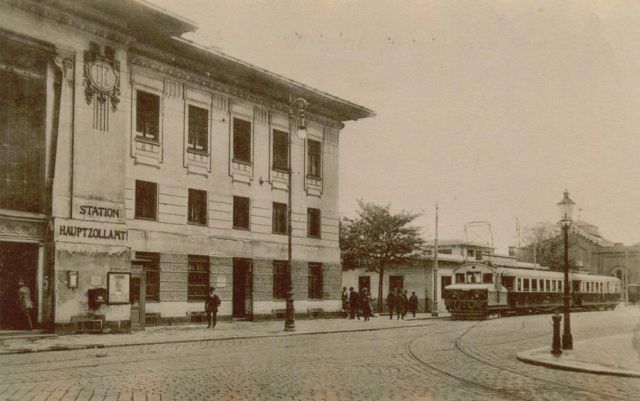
{"x": 480, "y": 290}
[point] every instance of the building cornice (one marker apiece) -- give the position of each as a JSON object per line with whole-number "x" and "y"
{"x": 68, "y": 19}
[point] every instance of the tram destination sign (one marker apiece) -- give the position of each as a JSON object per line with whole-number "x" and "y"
{"x": 88, "y": 232}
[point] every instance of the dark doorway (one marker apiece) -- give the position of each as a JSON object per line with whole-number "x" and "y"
{"x": 364, "y": 282}
{"x": 137, "y": 296}
{"x": 17, "y": 261}
{"x": 242, "y": 288}
{"x": 396, "y": 282}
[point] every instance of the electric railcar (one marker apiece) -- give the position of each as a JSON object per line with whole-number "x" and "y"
{"x": 480, "y": 291}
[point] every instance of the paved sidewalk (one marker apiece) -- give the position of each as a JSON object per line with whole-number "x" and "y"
{"x": 199, "y": 332}
{"x": 614, "y": 355}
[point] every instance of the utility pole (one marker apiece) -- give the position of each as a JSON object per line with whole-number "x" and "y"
{"x": 434, "y": 310}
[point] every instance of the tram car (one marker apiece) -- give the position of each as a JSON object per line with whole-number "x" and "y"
{"x": 480, "y": 290}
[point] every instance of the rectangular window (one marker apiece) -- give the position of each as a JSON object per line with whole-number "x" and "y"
{"x": 534, "y": 285}
{"x": 197, "y": 207}
{"x": 280, "y": 150}
{"x": 241, "y": 140}
{"x": 241, "y": 212}
{"x": 279, "y": 218}
{"x": 459, "y": 278}
{"x": 198, "y": 129}
{"x": 198, "y": 279}
{"x": 560, "y": 285}
{"x": 553, "y": 285}
{"x": 313, "y": 222}
{"x": 444, "y": 251}
{"x": 525, "y": 284}
{"x": 487, "y": 278}
{"x": 518, "y": 284}
{"x": 315, "y": 281}
{"x": 151, "y": 265}
{"x": 147, "y": 115}
{"x": 548, "y": 285}
{"x": 314, "y": 152}
{"x": 22, "y": 132}
{"x": 281, "y": 279}
{"x": 146, "y": 200}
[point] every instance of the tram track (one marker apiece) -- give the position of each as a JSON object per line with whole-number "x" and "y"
{"x": 476, "y": 386}
{"x": 458, "y": 343}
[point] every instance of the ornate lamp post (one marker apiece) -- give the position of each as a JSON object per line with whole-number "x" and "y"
{"x": 566, "y": 210}
{"x": 297, "y": 107}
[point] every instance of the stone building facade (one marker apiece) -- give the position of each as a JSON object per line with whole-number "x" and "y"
{"x": 593, "y": 253}
{"x": 138, "y": 169}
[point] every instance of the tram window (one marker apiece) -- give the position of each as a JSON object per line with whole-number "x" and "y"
{"x": 548, "y": 285}
{"x": 459, "y": 278}
{"x": 525, "y": 285}
{"x": 518, "y": 284}
{"x": 487, "y": 278}
{"x": 559, "y": 286}
{"x": 534, "y": 285}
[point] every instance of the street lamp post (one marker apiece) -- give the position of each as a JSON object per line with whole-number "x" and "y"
{"x": 566, "y": 209}
{"x": 297, "y": 108}
{"x": 434, "y": 309}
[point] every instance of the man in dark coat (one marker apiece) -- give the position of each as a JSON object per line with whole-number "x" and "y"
{"x": 354, "y": 303}
{"x": 211, "y": 307}
{"x": 413, "y": 303}
{"x": 401, "y": 303}
{"x": 392, "y": 300}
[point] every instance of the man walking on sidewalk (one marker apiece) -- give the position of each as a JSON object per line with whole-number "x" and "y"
{"x": 211, "y": 307}
{"x": 392, "y": 300}
{"x": 354, "y": 303}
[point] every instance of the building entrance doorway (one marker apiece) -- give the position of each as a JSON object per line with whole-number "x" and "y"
{"x": 242, "y": 288}
{"x": 18, "y": 261}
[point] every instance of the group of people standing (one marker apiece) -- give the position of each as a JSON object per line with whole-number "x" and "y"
{"x": 353, "y": 302}
{"x": 397, "y": 300}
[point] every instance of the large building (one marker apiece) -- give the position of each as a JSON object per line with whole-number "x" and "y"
{"x": 137, "y": 169}
{"x": 593, "y": 253}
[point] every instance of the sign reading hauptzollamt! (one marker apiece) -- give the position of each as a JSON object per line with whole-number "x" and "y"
{"x": 90, "y": 232}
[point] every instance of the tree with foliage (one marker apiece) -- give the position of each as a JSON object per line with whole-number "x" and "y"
{"x": 544, "y": 240}
{"x": 378, "y": 239}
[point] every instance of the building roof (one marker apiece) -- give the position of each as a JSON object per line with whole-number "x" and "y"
{"x": 457, "y": 242}
{"x": 154, "y": 28}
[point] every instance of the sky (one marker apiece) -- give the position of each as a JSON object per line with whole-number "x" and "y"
{"x": 491, "y": 109}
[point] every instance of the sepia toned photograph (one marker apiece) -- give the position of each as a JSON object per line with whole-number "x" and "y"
{"x": 319, "y": 200}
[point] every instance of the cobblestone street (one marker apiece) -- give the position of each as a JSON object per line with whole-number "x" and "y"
{"x": 440, "y": 360}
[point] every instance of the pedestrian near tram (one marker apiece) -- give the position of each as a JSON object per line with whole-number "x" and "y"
{"x": 392, "y": 300}
{"x": 401, "y": 304}
{"x": 345, "y": 302}
{"x": 365, "y": 301}
{"x": 354, "y": 303}
{"x": 413, "y": 303}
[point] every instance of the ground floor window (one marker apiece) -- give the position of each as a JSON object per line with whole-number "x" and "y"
{"x": 198, "y": 278}
{"x": 315, "y": 280}
{"x": 281, "y": 279}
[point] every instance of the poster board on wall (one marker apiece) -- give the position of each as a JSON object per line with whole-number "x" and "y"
{"x": 118, "y": 286}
